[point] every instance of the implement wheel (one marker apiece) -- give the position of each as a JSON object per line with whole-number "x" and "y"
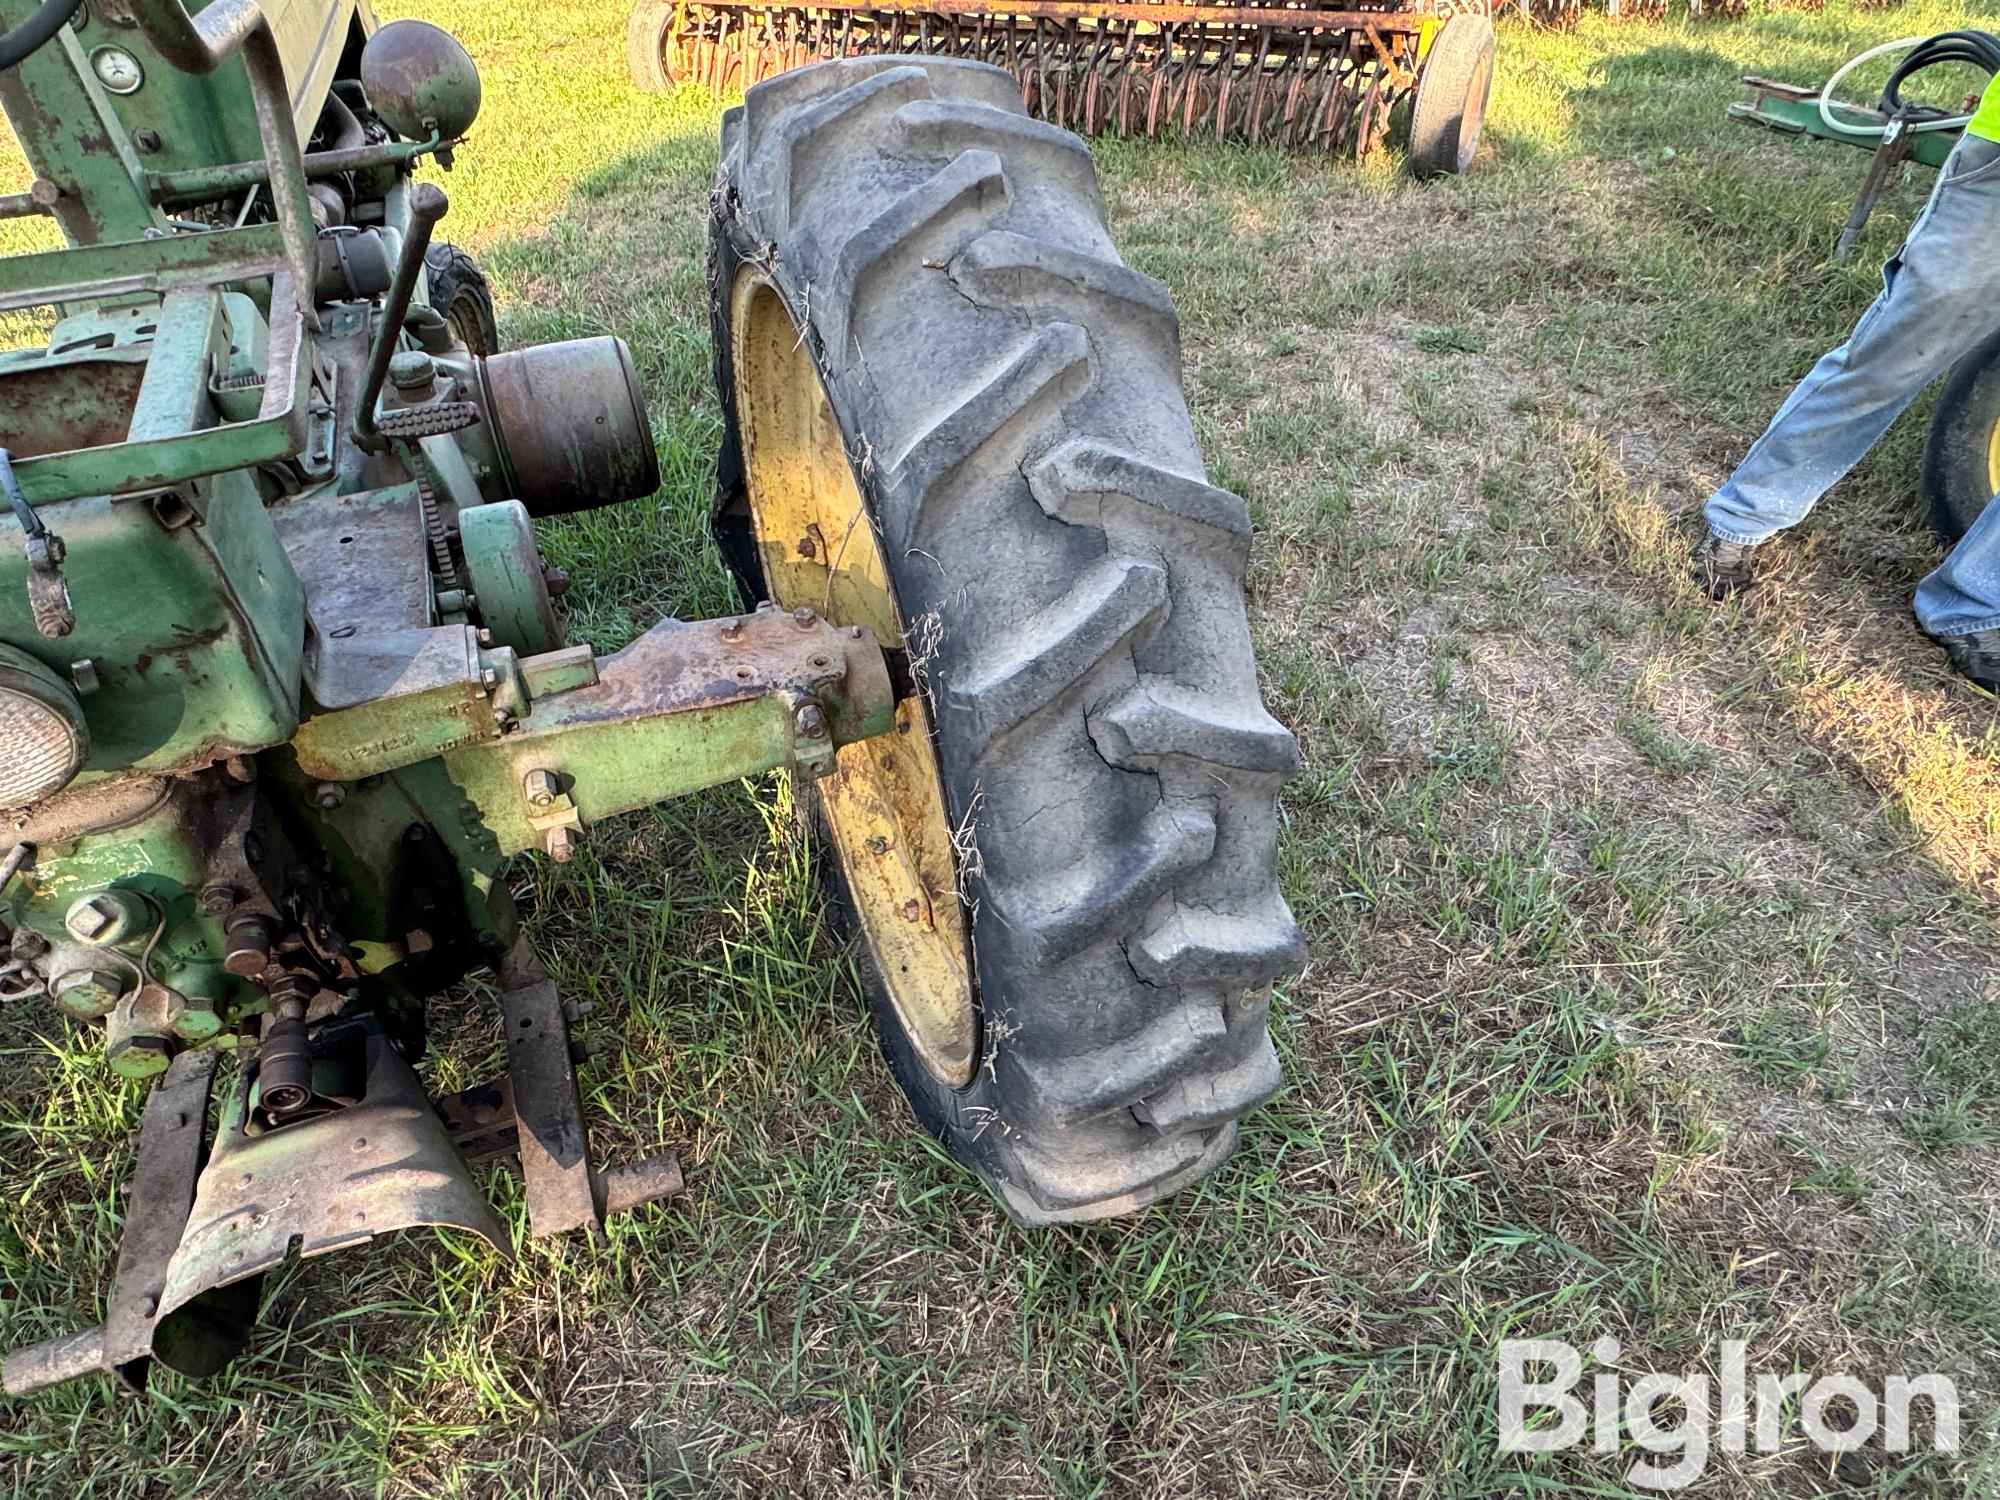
{"x": 647, "y": 36}
{"x": 955, "y": 416}
{"x": 1962, "y": 452}
{"x": 1452, "y": 89}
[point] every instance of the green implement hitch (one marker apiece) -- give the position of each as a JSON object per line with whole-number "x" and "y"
{"x": 283, "y": 681}
{"x": 1792, "y": 110}
{"x": 1898, "y": 128}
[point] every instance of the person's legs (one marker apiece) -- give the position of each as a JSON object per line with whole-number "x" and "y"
{"x": 1962, "y": 596}
{"x": 1940, "y": 297}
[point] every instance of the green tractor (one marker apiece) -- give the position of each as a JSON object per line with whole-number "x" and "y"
{"x": 284, "y": 683}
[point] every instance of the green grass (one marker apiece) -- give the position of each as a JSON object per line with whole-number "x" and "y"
{"x": 1651, "y": 987}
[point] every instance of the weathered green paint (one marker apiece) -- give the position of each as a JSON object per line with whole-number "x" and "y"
{"x": 221, "y": 255}
{"x": 1802, "y": 117}
{"x": 505, "y": 571}
{"x": 162, "y": 857}
{"x": 610, "y": 766}
{"x": 72, "y": 137}
{"x": 388, "y": 733}
{"x": 173, "y": 434}
{"x": 204, "y": 184}
{"x": 195, "y": 632}
{"x": 196, "y": 120}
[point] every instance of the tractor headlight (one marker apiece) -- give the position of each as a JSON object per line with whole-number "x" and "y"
{"x": 42, "y": 735}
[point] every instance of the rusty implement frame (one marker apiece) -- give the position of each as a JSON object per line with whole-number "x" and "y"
{"x": 1300, "y": 76}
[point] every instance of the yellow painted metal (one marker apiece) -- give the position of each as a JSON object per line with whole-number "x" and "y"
{"x": 884, "y": 802}
{"x": 1993, "y": 459}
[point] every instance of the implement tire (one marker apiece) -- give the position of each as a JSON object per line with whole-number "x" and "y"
{"x": 1962, "y": 450}
{"x": 1008, "y": 403}
{"x": 646, "y": 36}
{"x": 1453, "y": 86}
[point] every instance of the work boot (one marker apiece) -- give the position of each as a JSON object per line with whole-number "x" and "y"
{"x": 1975, "y": 657}
{"x": 1721, "y": 568}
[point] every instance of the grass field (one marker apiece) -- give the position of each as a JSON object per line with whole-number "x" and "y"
{"x": 1653, "y": 983}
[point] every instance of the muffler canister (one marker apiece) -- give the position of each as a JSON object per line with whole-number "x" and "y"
{"x": 570, "y": 423}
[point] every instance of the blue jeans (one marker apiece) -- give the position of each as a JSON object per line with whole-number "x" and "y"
{"x": 1940, "y": 296}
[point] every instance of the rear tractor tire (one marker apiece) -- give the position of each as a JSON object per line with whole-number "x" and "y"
{"x": 954, "y": 415}
{"x": 1962, "y": 450}
{"x": 1453, "y": 85}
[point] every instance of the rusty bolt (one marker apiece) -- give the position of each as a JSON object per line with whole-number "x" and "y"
{"x": 807, "y": 547}
{"x": 45, "y": 192}
{"x": 557, "y": 580}
{"x": 416, "y": 941}
{"x": 562, "y": 844}
{"x": 804, "y": 618}
{"x": 29, "y": 944}
{"x": 249, "y": 947}
{"x": 912, "y": 909}
{"x": 812, "y": 723}
{"x": 88, "y": 920}
{"x": 218, "y": 899}
{"x": 329, "y": 795}
{"x": 105, "y": 918}
{"x": 732, "y": 630}
{"x": 541, "y": 788}
{"x": 145, "y": 140}
{"x": 878, "y": 845}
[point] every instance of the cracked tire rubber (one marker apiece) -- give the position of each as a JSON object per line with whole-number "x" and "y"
{"x": 1010, "y": 394}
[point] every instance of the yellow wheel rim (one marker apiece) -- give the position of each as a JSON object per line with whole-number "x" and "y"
{"x": 884, "y": 802}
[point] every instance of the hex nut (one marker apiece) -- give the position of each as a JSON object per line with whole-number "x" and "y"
{"x": 562, "y": 844}
{"x": 141, "y": 1056}
{"x": 90, "y": 992}
{"x": 329, "y": 795}
{"x": 541, "y": 788}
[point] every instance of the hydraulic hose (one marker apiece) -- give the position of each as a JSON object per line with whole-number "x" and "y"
{"x": 33, "y": 34}
{"x": 1979, "y": 48}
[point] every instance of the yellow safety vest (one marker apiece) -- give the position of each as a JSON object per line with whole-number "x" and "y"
{"x": 1986, "y": 122}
